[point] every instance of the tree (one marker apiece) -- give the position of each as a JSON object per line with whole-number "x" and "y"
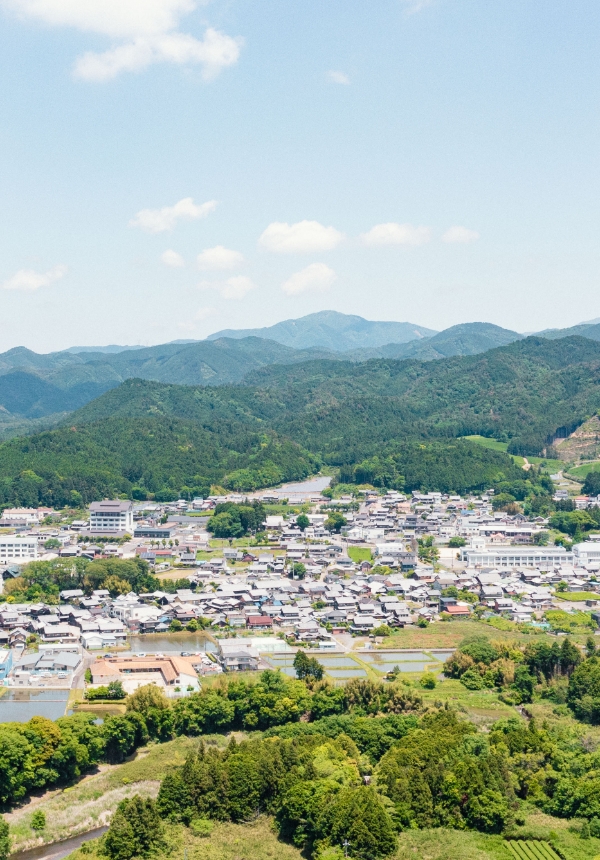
{"x": 382, "y": 630}
{"x": 307, "y": 667}
{"x": 146, "y": 697}
{"x": 192, "y": 626}
{"x": 358, "y": 817}
{"x": 591, "y": 485}
{"x": 524, "y": 683}
{"x": 175, "y": 626}
{"x": 135, "y": 831}
{"x": 302, "y": 522}
{"x": 52, "y": 543}
{"x": 583, "y": 695}
{"x": 298, "y": 570}
{"x": 428, "y": 681}
{"x": 457, "y": 541}
{"x": 335, "y": 522}
{"x": 4, "y": 839}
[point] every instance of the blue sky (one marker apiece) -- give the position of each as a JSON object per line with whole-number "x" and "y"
{"x": 171, "y": 167}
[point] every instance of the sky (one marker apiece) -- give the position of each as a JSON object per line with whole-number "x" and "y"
{"x": 173, "y": 167}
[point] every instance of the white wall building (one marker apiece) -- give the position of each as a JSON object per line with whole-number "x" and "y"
{"x": 514, "y": 556}
{"x": 18, "y": 549}
{"x": 111, "y": 516}
{"x": 22, "y": 516}
{"x": 587, "y": 552}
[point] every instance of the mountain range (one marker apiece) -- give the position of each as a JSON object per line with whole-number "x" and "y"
{"x": 38, "y": 390}
{"x": 389, "y": 422}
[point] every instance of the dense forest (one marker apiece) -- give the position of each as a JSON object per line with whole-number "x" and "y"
{"x": 396, "y": 419}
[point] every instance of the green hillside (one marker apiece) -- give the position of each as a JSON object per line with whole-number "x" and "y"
{"x": 142, "y": 456}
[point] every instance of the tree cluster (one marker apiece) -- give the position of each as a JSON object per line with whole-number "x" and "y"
{"x": 231, "y": 520}
{"x": 44, "y": 580}
{"x": 514, "y": 669}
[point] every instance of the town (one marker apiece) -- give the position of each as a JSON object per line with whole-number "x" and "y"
{"x": 335, "y": 574}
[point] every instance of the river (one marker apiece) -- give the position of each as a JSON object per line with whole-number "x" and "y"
{"x": 301, "y": 489}
{"x": 58, "y": 850}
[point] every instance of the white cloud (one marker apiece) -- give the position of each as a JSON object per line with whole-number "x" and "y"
{"x": 173, "y": 259}
{"x": 338, "y": 77}
{"x": 233, "y": 288}
{"x": 213, "y": 53}
{"x": 315, "y": 278}
{"x": 414, "y": 6}
{"x": 396, "y": 234}
{"x": 159, "y": 220}
{"x": 219, "y": 258}
{"x": 28, "y": 281}
{"x": 305, "y": 237}
{"x": 146, "y": 29}
{"x": 460, "y": 235}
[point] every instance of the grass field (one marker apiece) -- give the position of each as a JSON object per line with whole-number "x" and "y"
{"x": 449, "y": 635}
{"x": 578, "y": 596}
{"x": 360, "y": 553}
{"x": 582, "y": 471}
{"x": 495, "y": 445}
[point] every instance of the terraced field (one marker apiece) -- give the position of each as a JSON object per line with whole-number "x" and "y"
{"x": 531, "y": 850}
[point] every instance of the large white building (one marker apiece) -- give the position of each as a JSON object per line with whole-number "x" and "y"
{"x": 23, "y": 516}
{"x": 111, "y": 517}
{"x": 517, "y": 556}
{"x": 18, "y": 549}
{"x": 587, "y": 552}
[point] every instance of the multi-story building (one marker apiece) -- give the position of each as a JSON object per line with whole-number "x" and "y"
{"x": 111, "y": 517}
{"x": 18, "y": 549}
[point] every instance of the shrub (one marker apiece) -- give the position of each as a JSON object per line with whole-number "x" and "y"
{"x": 38, "y": 820}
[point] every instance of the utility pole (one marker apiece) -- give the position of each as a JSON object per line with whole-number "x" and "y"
{"x": 346, "y": 845}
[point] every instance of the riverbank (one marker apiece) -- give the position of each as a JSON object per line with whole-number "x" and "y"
{"x": 90, "y": 803}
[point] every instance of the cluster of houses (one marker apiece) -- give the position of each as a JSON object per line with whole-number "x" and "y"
{"x": 306, "y": 587}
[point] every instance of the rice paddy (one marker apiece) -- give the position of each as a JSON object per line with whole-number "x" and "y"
{"x": 341, "y": 666}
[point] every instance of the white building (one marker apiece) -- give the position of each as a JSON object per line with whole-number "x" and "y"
{"x": 586, "y": 552}
{"x": 23, "y": 516}
{"x": 18, "y": 549}
{"x": 111, "y": 516}
{"x": 515, "y": 556}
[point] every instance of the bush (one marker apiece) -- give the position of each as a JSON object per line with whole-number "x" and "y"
{"x": 428, "y": 681}
{"x": 4, "y": 839}
{"x": 201, "y": 827}
{"x": 113, "y": 691}
{"x": 472, "y": 680}
{"x": 38, "y": 820}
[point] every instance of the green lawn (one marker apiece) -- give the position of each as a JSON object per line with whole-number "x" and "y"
{"x": 550, "y": 465}
{"x": 360, "y": 553}
{"x": 582, "y": 471}
{"x": 495, "y": 445}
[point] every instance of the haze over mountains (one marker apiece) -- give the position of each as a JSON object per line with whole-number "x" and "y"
{"x": 38, "y": 390}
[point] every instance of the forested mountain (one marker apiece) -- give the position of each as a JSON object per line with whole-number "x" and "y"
{"x": 333, "y": 330}
{"x": 392, "y": 422}
{"x": 527, "y": 392}
{"x": 37, "y": 386}
{"x": 464, "y": 339}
